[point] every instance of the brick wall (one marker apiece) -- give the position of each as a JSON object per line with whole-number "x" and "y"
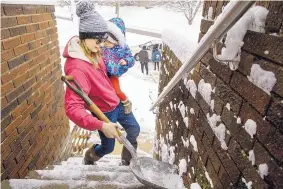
{"x": 34, "y": 128}
{"x": 226, "y": 168}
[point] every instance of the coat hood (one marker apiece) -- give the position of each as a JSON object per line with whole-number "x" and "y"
{"x": 116, "y": 26}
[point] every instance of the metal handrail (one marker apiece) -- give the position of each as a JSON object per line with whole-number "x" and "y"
{"x": 220, "y": 28}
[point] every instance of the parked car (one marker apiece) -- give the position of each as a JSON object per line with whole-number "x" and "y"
{"x": 150, "y": 46}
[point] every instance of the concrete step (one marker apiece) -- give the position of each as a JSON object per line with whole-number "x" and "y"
{"x": 61, "y": 174}
{"x": 66, "y": 184}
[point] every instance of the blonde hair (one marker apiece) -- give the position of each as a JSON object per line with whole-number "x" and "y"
{"x": 92, "y": 56}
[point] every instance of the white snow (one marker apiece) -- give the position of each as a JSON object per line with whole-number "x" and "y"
{"x": 185, "y": 142}
{"x": 186, "y": 121}
{"x": 266, "y": 52}
{"x": 170, "y": 136}
{"x": 195, "y": 186}
{"x": 239, "y": 120}
{"x": 228, "y": 106}
{"x": 171, "y": 105}
{"x": 194, "y": 142}
{"x": 210, "y": 13}
{"x": 182, "y": 167}
{"x": 192, "y": 111}
{"x": 219, "y": 130}
{"x": 182, "y": 109}
{"x": 164, "y": 153}
{"x": 262, "y": 78}
{"x": 250, "y": 127}
{"x": 253, "y": 19}
{"x": 252, "y": 156}
{"x": 209, "y": 179}
{"x": 205, "y": 91}
{"x": 171, "y": 155}
{"x": 173, "y": 181}
{"x": 212, "y": 104}
{"x": 248, "y": 184}
{"x": 155, "y": 144}
{"x": 191, "y": 86}
{"x": 263, "y": 170}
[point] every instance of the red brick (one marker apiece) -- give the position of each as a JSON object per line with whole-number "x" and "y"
{"x": 16, "y": 62}
{"x": 45, "y": 40}
{"x": 24, "y": 20}
{"x": 254, "y": 95}
{"x": 43, "y": 25}
{"x": 7, "y": 55}
{"x": 4, "y": 67}
{"x": 52, "y": 23}
{"x": 40, "y": 9}
{"x": 34, "y": 44}
{"x": 25, "y": 95}
{"x": 32, "y": 98}
{"x": 21, "y": 79}
{"x": 37, "y": 18}
{"x": 24, "y": 124}
{"x": 31, "y": 28}
{"x": 42, "y": 49}
{"x": 8, "y": 21}
{"x": 47, "y": 16}
{"x": 28, "y": 111}
{"x": 21, "y": 49}
{"x": 27, "y": 37}
{"x": 13, "y": 125}
{"x": 29, "y": 83}
{"x": 11, "y": 10}
{"x": 6, "y": 88}
{"x": 5, "y": 144}
{"x": 29, "y": 9}
{"x": 15, "y": 31}
{"x": 5, "y": 121}
{"x": 5, "y": 33}
{"x": 30, "y": 55}
{"x": 11, "y": 42}
{"x": 34, "y": 70}
{"x": 50, "y": 8}
{"x": 14, "y": 93}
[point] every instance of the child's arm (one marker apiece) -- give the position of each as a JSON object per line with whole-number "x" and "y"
{"x": 128, "y": 57}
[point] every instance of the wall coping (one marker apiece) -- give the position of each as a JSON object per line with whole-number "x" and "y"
{"x": 29, "y": 2}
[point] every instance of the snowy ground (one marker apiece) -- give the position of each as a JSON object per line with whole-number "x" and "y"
{"x": 141, "y": 89}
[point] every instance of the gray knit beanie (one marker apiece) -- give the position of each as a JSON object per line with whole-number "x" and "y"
{"x": 92, "y": 24}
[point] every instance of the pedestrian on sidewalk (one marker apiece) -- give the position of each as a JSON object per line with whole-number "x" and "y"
{"x": 144, "y": 59}
{"x": 156, "y": 57}
{"x": 85, "y": 63}
{"x": 118, "y": 57}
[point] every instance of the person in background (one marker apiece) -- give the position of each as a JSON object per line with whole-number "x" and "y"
{"x": 84, "y": 62}
{"x": 118, "y": 57}
{"x": 156, "y": 57}
{"x": 144, "y": 59}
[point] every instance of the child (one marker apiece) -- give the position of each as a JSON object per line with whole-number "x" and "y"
{"x": 117, "y": 57}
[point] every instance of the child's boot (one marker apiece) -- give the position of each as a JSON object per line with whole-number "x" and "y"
{"x": 90, "y": 156}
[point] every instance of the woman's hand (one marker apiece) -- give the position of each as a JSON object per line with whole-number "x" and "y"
{"x": 110, "y": 130}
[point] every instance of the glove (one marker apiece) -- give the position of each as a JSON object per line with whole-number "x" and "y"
{"x": 127, "y": 106}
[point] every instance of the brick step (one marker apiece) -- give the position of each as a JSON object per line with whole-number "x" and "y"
{"x": 60, "y": 174}
{"x": 66, "y": 184}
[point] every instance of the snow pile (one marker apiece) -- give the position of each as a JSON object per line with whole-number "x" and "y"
{"x": 261, "y": 78}
{"x": 178, "y": 43}
{"x": 228, "y": 106}
{"x": 252, "y": 156}
{"x": 212, "y": 105}
{"x": 170, "y": 136}
{"x": 185, "y": 142}
{"x": 171, "y": 155}
{"x": 248, "y": 184}
{"x": 191, "y": 86}
{"x": 164, "y": 152}
{"x": 205, "y": 91}
{"x": 239, "y": 120}
{"x": 171, "y": 105}
{"x": 182, "y": 108}
{"x": 209, "y": 179}
{"x": 192, "y": 111}
{"x": 263, "y": 170}
{"x": 186, "y": 121}
{"x": 250, "y": 127}
{"x": 210, "y": 13}
{"x": 219, "y": 130}
{"x": 253, "y": 19}
{"x": 194, "y": 142}
{"x": 182, "y": 167}
{"x": 195, "y": 186}
{"x": 155, "y": 144}
{"x": 173, "y": 181}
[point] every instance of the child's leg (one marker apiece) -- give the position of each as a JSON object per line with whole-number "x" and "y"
{"x": 116, "y": 84}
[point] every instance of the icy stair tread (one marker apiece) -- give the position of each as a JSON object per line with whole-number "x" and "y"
{"x": 106, "y": 174}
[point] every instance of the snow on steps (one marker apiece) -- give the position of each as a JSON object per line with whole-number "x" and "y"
{"x": 106, "y": 174}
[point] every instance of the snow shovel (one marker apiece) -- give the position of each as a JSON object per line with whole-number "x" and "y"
{"x": 150, "y": 172}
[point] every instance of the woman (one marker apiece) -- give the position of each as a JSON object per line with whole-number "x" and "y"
{"x": 85, "y": 64}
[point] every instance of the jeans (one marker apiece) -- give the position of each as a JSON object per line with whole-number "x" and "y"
{"x": 144, "y": 64}
{"x": 156, "y": 64}
{"x": 127, "y": 121}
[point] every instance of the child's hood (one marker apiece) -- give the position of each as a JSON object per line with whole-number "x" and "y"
{"x": 116, "y": 26}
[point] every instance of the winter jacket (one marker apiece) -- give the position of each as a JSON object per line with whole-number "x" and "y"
{"x": 156, "y": 56}
{"x": 143, "y": 56}
{"x": 93, "y": 81}
{"x": 112, "y": 56}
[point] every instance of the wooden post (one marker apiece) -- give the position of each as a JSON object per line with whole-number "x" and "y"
{"x": 117, "y": 9}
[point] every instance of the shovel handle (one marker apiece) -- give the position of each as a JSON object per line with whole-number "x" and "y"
{"x": 92, "y": 107}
